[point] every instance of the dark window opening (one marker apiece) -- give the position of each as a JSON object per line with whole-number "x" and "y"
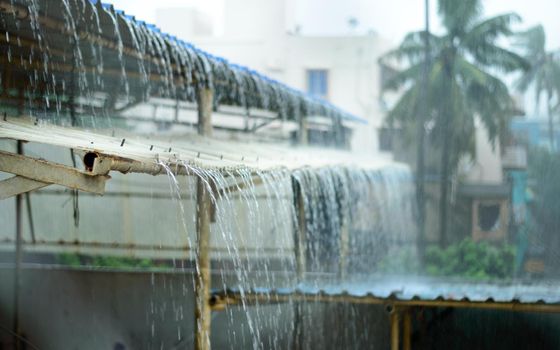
{"x": 488, "y": 217}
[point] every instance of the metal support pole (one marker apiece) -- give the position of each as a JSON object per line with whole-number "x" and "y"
{"x": 18, "y": 257}
{"x": 203, "y": 311}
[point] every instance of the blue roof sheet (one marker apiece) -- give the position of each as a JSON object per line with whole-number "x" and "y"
{"x": 312, "y": 99}
{"x": 408, "y": 289}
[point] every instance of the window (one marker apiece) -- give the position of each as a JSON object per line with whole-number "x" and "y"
{"x": 317, "y": 82}
{"x": 488, "y": 217}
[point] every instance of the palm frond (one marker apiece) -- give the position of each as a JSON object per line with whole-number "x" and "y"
{"x": 410, "y": 74}
{"x": 495, "y": 57}
{"x": 487, "y": 95}
{"x": 531, "y": 41}
{"x": 491, "y": 29}
{"x": 404, "y": 111}
{"x": 526, "y": 79}
{"x": 412, "y": 48}
{"x": 458, "y": 16}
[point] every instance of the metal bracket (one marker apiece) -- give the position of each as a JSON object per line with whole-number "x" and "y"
{"x": 32, "y": 173}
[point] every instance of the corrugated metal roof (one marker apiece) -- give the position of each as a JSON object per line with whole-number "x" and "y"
{"x": 172, "y": 64}
{"x": 191, "y": 150}
{"x": 484, "y": 190}
{"x": 409, "y": 289}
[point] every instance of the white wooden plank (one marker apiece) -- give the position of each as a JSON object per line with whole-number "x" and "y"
{"x": 52, "y": 173}
{"x": 18, "y": 185}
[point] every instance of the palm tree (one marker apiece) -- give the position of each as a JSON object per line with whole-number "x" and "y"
{"x": 544, "y": 73}
{"x": 462, "y": 84}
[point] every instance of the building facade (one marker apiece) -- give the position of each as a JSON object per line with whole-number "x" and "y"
{"x": 342, "y": 70}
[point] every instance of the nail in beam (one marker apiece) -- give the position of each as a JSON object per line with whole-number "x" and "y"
{"x": 203, "y": 277}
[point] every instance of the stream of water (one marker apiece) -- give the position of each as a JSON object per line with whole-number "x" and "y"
{"x": 89, "y": 62}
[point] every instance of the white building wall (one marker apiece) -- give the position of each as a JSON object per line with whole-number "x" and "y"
{"x": 486, "y": 168}
{"x": 259, "y": 34}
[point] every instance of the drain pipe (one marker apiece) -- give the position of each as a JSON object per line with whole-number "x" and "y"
{"x": 203, "y": 311}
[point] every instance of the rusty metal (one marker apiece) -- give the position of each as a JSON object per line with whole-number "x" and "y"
{"x": 270, "y": 297}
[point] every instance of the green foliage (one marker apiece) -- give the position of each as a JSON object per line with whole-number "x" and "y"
{"x": 461, "y": 77}
{"x": 543, "y": 74}
{"x": 76, "y": 260}
{"x": 544, "y": 168}
{"x": 68, "y": 259}
{"x": 120, "y": 262}
{"x": 471, "y": 260}
{"x": 401, "y": 261}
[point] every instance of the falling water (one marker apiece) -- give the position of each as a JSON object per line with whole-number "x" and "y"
{"x": 256, "y": 220}
{"x": 344, "y": 221}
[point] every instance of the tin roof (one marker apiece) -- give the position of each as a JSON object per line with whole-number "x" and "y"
{"x": 412, "y": 291}
{"x": 154, "y": 154}
{"x": 111, "y": 51}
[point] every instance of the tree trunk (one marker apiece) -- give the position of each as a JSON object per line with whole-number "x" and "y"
{"x": 550, "y": 122}
{"x": 443, "y": 200}
{"x": 420, "y": 161}
{"x": 447, "y": 112}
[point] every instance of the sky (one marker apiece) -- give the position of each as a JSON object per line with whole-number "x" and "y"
{"x": 390, "y": 19}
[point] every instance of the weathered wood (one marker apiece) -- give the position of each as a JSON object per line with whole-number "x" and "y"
{"x": 203, "y": 277}
{"x": 395, "y": 319}
{"x": 344, "y": 241}
{"x": 300, "y": 250}
{"x": 17, "y": 263}
{"x": 302, "y": 132}
{"x": 51, "y": 173}
{"x": 300, "y": 256}
{"x": 407, "y": 329}
{"x": 205, "y": 97}
{"x": 18, "y": 185}
{"x": 203, "y": 309}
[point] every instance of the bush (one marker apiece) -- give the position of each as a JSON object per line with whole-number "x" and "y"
{"x": 399, "y": 261}
{"x": 472, "y": 260}
{"x": 76, "y": 260}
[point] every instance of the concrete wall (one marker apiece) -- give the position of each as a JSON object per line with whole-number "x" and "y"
{"x": 486, "y": 168}
{"x": 73, "y": 309}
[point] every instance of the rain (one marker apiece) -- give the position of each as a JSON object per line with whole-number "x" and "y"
{"x": 316, "y": 185}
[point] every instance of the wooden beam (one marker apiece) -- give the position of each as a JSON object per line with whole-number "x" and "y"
{"x": 18, "y": 185}
{"x": 407, "y": 329}
{"x": 300, "y": 228}
{"x": 51, "y": 173}
{"x": 205, "y": 98}
{"x": 300, "y": 234}
{"x": 302, "y": 132}
{"x": 395, "y": 319}
{"x": 203, "y": 277}
{"x": 203, "y": 280}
